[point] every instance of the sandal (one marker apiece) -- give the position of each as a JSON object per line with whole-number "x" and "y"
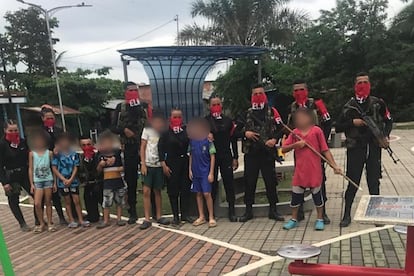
{"x": 51, "y": 228}
{"x": 38, "y": 229}
{"x": 212, "y": 223}
{"x": 199, "y": 222}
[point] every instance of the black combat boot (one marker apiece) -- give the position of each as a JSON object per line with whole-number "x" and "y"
{"x": 326, "y": 219}
{"x": 274, "y": 214}
{"x": 301, "y": 213}
{"x": 248, "y": 215}
{"x": 232, "y": 213}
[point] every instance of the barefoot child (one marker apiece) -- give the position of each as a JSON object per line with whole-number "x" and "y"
{"x": 308, "y": 170}
{"x": 201, "y": 168}
{"x": 65, "y": 166}
{"x": 42, "y": 181}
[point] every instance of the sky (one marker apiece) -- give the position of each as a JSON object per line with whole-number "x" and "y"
{"x": 92, "y": 35}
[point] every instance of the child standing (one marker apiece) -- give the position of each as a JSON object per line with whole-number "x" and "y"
{"x": 201, "y": 168}
{"x": 308, "y": 169}
{"x": 42, "y": 181}
{"x": 151, "y": 170}
{"x": 110, "y": 164}
{"x": 65, "y": 166}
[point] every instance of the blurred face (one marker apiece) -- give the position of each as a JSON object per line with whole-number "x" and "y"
{"x": 158, "y": 124}
{"x": 302, "y": 120}
{"x": 64, "y": 144}
{"x": 106, "y": 145}
{"x": 39, "y": 142}
{"x": 197, "y": 131}
{"x": 11, "y": 129}
{"x": 85, "y": 143}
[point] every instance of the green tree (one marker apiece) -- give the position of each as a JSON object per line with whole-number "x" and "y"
{"x": 243, "y": 22}
{"x": 27, "y": 32}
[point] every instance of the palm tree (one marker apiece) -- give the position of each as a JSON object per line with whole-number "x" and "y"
{"x": 243, "y": 22}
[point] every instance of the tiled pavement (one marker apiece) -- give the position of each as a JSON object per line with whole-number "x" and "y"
{"x": 115, "y": 250}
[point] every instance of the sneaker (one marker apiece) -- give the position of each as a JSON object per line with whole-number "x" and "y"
{"x": 132, "y": 220}
{"x": 102, "y": 225}
{"x": 319, "y": 225}
{"x": 290, "y": 224}
{"x": 73, "y": 225}
{"x": 86, "y": 223}
{"x": 145, "y": 225}
{"x": 63, "y": 221}
{"x": 121, "y": 223}
{"x": 163, "y": 221}
{"x": 25, "y": 228}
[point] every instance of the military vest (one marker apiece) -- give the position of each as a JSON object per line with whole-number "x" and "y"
{"x": 265, "y": 128}
{"x": 352, "y": 109}
{"x": 309, "y": 104}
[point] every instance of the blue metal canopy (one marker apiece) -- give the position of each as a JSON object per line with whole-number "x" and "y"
{"x": 177, "y": 73}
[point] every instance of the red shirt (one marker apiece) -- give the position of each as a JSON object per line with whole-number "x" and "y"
{"x": 308, "y": 169}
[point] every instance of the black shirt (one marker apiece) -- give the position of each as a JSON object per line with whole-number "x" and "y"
{"x": 223, "y": 130}
{"x": 12, "y": 158}
{"x": 53, "y": 133}
{"x": 173, "y": 145}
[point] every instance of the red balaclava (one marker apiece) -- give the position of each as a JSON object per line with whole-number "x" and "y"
{"x": 49, "y": 122}
{"x": 362, "y": 91}
{"x": 88, "y": 152}
{"x": 132, "y": 97}
{"x": 176, "y": 124}
{"x": 301, "y": 97}
{"x": 13, "y": 138}
{"x": 216, "y": 111}
{"x": 258, "y": 101}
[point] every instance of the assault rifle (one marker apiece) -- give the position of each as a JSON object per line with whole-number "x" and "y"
{"x": 378, "y": 134}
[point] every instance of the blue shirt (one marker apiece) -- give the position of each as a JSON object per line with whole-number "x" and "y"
{"x": 201, "y": 152}
{"x": 66, "y": 163}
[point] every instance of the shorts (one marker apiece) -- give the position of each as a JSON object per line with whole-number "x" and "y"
{"x": 113, "y": 195}
{"x": 201, "y": 185}
{"x": 69, "y": 191}
{"x": 298, "y": 196}
{"x": 154, "y": 178}
{"x": 43, "y": 185}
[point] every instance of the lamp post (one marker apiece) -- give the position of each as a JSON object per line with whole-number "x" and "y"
{"x": 47, "y": 14}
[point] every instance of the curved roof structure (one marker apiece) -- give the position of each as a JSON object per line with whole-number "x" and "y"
{"x": 177, "y": 73}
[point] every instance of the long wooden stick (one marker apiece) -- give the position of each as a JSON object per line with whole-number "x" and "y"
{"x": 322, "y": 157}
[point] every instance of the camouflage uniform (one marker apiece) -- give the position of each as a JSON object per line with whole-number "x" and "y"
{"x": 259, "y": 158}
{"x": 362, "y": 147}
{"x": 133, "y": 117}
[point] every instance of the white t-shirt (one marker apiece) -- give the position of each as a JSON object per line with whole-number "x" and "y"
{"x": 152, "y": 158}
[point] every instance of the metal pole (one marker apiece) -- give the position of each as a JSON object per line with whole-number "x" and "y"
{"x": 5, "y": 113}
{"x": 259, "y": 71}
{"x": 19, "y": 121}
{"x": 178, "y": 30}
{"x": 125, "y": 67}
{"x": 62, "y": 115}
